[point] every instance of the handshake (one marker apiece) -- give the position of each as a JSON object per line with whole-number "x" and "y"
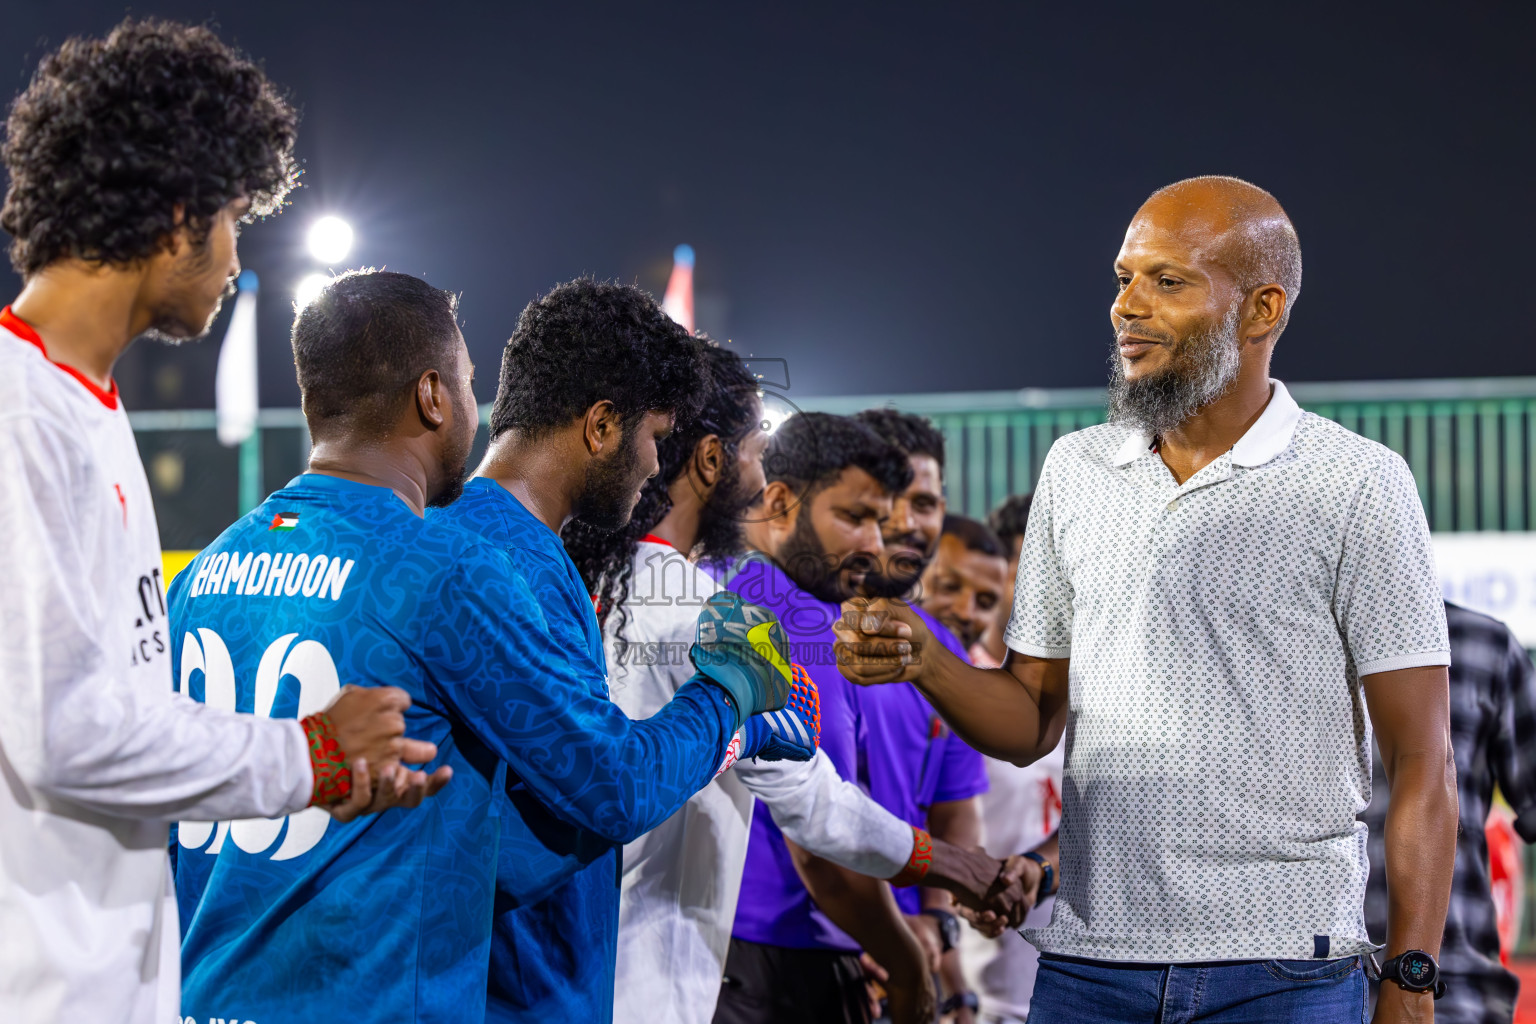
{"x": 741, "y": 648}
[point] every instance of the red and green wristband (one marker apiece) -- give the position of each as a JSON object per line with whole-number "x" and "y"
{"x": 333, "y": 779}
{"x": 920, "y": 861}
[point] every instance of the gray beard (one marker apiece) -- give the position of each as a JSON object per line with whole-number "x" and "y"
{"x": 1203, "y": 369}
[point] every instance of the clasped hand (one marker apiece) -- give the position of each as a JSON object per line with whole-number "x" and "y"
{"x": 370, "y": 729}
{"x": 878, "y": 641}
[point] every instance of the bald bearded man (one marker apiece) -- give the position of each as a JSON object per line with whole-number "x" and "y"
{"x": 1218, "y": 595}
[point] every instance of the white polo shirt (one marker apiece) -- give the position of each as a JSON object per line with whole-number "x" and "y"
{"x": 1218, "y": 746}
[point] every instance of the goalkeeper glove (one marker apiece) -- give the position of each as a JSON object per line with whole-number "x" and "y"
{"x": 741, "y": 648}
{"x": 790, "y": 734}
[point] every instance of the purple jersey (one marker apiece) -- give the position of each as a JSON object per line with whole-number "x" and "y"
{"x": 886, "y": 738}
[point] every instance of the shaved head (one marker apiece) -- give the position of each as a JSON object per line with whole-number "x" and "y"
{"x": 1206, "y": 278}
{"x": 1248, "y": 232}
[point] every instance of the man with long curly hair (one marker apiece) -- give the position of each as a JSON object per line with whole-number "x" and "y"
{"x": 133, "y": 160}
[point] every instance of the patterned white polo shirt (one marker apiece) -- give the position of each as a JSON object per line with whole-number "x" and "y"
{"x": 1218, "y": 746}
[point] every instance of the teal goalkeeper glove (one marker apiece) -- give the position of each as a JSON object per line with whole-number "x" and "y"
{"x": 741, "y": 648}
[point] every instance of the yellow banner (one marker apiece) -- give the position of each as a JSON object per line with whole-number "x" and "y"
{"x": 174, "y": 562}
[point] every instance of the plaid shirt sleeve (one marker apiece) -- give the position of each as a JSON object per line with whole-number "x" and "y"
{"x": 1493, "y": 734}
{"x": 1512, "y": 752}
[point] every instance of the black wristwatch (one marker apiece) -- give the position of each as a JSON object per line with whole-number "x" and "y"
{"x": 966, "y": 1000}
{"x": 1048, "y": 876}
{"x": 1416, "y": 971}
{"x": 949, "y": 928}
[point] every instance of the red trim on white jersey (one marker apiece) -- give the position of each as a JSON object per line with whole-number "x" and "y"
{"x": 651, "y": 538}
{"x": 23, "y": 330}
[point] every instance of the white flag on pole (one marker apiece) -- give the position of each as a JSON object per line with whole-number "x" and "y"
{"x": 234, "y": 388}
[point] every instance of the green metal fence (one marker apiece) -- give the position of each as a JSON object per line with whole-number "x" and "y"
{"x": 1470, "y": 443}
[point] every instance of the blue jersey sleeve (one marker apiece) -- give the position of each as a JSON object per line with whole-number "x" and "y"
{"x": 525, "y": 692}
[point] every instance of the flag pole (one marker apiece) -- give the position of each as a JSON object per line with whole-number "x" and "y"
{"x": 236, "y": 400}
{"x": 250, "y": 472}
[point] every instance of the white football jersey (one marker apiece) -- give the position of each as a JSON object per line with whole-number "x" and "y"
{"x": 97, "y": 751}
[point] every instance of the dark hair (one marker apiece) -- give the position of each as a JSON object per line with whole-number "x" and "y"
{"x": 606, "y": 558}
{"x": 361, "y": 345}
{"x": 587, "y": 341}
{"x": 974, "y": 535}
{"x": 915, "y": 435}
{"x": 111, "y": 134}
{"x": 1010, "y": 518}
{"x": 810, "y": 449}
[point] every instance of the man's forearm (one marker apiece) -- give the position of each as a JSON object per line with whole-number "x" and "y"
{"x": 1420, "y": 851}
{"x": 991, "y": 709}
{"x": 1016, "y": 713}
{"x": 1410, "y": 709}
{"x": 864, "y": 908}
{"x": 967, "y": 874}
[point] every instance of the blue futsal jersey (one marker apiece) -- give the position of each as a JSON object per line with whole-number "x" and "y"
{"x": 387, "y": 918}
{"x": 557, "y": 901}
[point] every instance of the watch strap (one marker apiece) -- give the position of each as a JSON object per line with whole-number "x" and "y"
{"x": 949, "y": 927}
{"x": 1048, "y": 881}
{"x": 958, "y": 1001}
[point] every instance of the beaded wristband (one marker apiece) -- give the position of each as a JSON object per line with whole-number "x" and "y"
{"x": 333, "y": 779}
{"x": 920, "y": 861}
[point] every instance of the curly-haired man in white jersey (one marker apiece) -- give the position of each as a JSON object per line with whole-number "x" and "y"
{"x": 132, "y": 162}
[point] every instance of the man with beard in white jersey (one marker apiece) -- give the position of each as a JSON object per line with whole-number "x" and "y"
{"x": 681, "y": 880}
{"x": 132, "y": 161}
{"x": 1219, "y": 597}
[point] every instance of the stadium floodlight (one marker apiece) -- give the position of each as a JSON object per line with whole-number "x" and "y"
{"x": 311, "y": 286}
{"x": 330, "y": 239}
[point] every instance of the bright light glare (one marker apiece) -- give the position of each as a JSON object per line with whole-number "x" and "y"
{"x": 330, "y": 239}
{"x": 309, "y": 288}
{"x": 774, "y": 418}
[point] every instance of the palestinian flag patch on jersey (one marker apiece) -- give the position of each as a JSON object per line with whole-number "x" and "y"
{"x": 284, "y": 521}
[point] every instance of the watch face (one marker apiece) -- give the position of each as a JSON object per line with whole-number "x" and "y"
{"x": 1417, "y": 969}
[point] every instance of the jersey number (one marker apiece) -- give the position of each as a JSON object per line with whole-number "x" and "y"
{"x": 307, "y": 662}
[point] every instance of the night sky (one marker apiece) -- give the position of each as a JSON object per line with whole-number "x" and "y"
{"x": 892, "y": 200}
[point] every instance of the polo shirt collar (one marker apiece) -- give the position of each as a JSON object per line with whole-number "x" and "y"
{"x": 1267, "y": 438}
{"x": 1271, "y": 432}
{"x": 1137, "y": 443}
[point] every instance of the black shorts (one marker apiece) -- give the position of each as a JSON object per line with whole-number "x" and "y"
{"x": 777, "y": 985}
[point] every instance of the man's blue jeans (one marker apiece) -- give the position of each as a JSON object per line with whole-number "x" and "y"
{"x": 1072, "y": 991}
